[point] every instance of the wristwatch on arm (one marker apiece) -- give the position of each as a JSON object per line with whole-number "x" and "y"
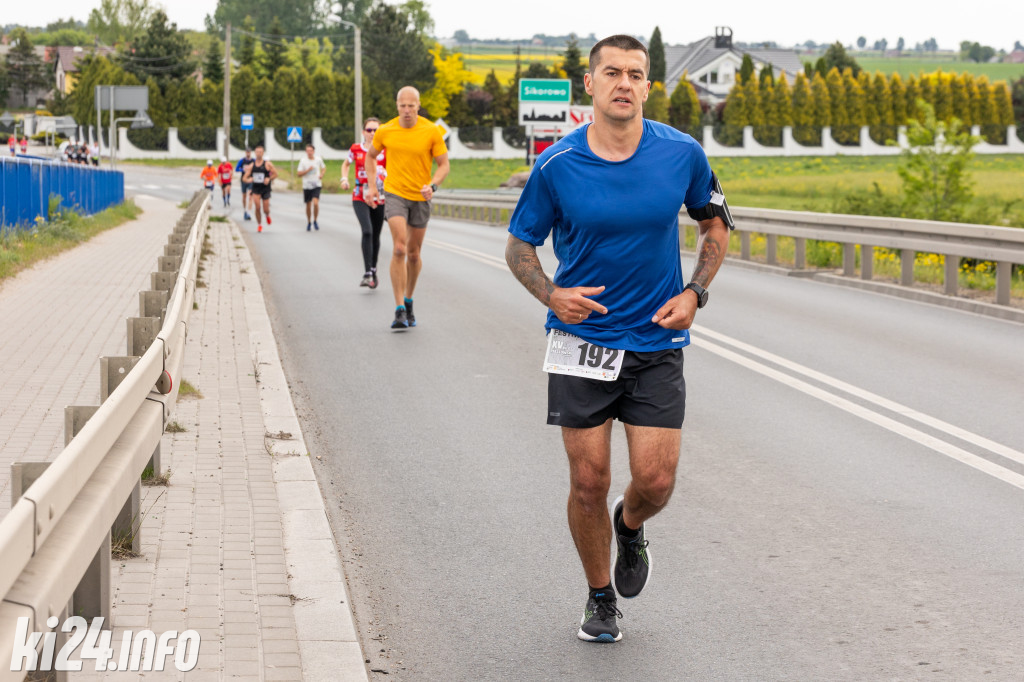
{"x": 702, "y": 293}
{"x": 433, "y": 187}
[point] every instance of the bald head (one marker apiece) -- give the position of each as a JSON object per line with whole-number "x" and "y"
{"x": 408, "y": 101}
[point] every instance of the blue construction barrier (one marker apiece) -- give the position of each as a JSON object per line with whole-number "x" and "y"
{"x": 26, "y": 185}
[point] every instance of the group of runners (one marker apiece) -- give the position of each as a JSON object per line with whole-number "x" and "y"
{"x": 618, "y": 309}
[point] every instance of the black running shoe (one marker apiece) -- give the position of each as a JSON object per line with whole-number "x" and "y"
{"x": 408, "y": 312}
{"x": 598, "y": 621}
{"x": 633, "y": 562}
{"x": 401, "y": 322}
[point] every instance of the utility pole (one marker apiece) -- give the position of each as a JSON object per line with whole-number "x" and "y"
{"x": 359, "y": 80}
{"x": 227, "y": 89}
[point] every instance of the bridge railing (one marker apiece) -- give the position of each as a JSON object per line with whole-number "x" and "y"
{"x": 55, "y": 541}
{"x": 954, "y": 241}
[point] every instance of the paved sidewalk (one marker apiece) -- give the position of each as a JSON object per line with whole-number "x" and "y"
{"x": 237, "y": 546}
{"x": 56, "y": 320}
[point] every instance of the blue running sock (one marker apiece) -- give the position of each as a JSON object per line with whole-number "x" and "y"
{"x": 408, "y": 301}
{"x": 399, "y": 307}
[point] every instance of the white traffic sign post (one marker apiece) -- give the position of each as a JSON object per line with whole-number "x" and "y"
{"x": 294, "y": 135}
{"x": 544, "y": 103}
{"x": 248, "y": 121}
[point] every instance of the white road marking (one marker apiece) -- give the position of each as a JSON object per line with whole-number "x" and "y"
{"x": 917, "y": 436}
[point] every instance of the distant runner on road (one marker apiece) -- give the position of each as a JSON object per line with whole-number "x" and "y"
{"x": 618, "y": 311}
{"x": 208, "y": 175}
{"x": 412, "y": 144}
{"x": 311, "y": 169}
{"x": 370, "y": 216}
{"x": 224, "y": 174}
{"x": 243, "y": 165}
{"x": 261, "y": 173}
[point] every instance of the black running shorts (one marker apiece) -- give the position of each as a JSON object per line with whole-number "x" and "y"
{"x": 261, "y": 190}
{"x": 649, "y": 391}
{"x": 309, "y": 194}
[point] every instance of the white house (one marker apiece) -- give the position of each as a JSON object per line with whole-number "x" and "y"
{"x": 711, "y": 64}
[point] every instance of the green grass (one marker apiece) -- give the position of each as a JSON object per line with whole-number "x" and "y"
{"x": 465, "y": 174}
{"x": 20, "y": 249}
{"x": 187, "y": 390}
{"x": 913, "y": 66}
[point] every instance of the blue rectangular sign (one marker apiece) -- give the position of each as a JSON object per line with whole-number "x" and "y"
{"x": 247, "y": 121}
{"x": 294, "y": 133}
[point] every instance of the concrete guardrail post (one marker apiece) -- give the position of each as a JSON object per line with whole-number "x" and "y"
{"x": 799, "y": 253}
{"x": 952, "y": 273}
{"x": 153, "y": 304}
{"x": 1004, "y": 275}
{"x": 867, "y": 262}
{"x": 744, "y": 245}
{"x": 92, "y": 596}
{"x": 142, "y": 332}
{"x": 162, "y": 281}
{"x": 907, "y": 257}
{"x": 849, "y": 259}
{"x": 771, "y": 249}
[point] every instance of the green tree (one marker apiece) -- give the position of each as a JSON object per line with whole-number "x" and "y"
{"x": 821, "y": 99}
{"x": 274, "y": 49}
{"x": 656, "y": 106}
{"x": 213, "y": 66}
{"x": 839, "y": 114}
{"x": 295, "y": 17}
{"x": 746, "y": 69}
{"x": 684, "y": 112}
{"x": 898, "y": 95}
{"x": 933, "y": 169}
{"x": 157, "y": 107}
{"x": 735, "y": 116}
{"x": 910, "y": 96}
{"x": 285, "y": 99}
{"x": 5, "y": 85}
{"x": 943, "y": 95}
{"x": 882, "y": 104}
{"x": 1017, "y": 99}
{"x": 393, "y": 53}
{"x": 243, "y": 84}
{"x": 246, "y": 54}
{"x": 537, "y": 70}
{"x": 25, "y": 69}
{"x": 656, "y": 50}
{"x": 766, "y": 78}
{"x": 420, "y": 20}
{"x": 782, "y": 107}
{"x": 961, "y": 98}
{"x": 322, "y": 101}
{"x": 805, "y": 130}
{"x": 161, "y": 51}
{"x": 835, "y": 57}
{"x": 572, "y": 64}
{"x": 120, "y": 21}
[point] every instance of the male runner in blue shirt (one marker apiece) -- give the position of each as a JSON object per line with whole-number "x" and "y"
{"x": 610, "y": 195}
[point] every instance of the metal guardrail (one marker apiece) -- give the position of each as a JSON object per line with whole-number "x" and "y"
{"x": 1004, "y": 245}
{"x": 50, "y": 537}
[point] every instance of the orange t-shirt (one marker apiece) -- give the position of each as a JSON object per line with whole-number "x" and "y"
{"x": 410, "y": 154}
{"x": 208, "y": 174}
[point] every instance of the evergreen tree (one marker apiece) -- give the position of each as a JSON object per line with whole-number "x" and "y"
{"x": 25, "y": 69}
{"x": 1017, "y": 97}
{"x": 243, "y": 82}
{"x": 855, "y": 101}
{"x": 767, "y": 77}
{"x": 926, "y": 91}
{"x": 656, "y": 50}
{"x": 882, "y": 95}
{"x": 285, "y": 99}
{"x": 822, "y": 100}
{"x": 211, "y": 98}
{"x": 782, "y": 102}
{"x": 835, "y": 57}
{"x": 734, "y": 117}
{"x": 574, "y": 68}
{"x": 898, "y": 93}
{"x": 393, "y": 53}
{"x": 246, "y": 54}
{"x": 656, "y": 106}
{"x": 910, "y": 97}
{"x": 758, "y": 111}
{"x": 746, "y": 69}
{"x": 536, "y": 70}
{"x": 987, "y": 116}
{"x": 804, "y": 131}
{"x": 274, "y": 49}
{"x": 323, "y": 105}
{"x": 943, "y": 93}
{"x": 960, "y": 98}
{"x": 213, "y": 65}
{"x": 838, "y": 113}
{"x": 1003, "y": 106}
{"x": 161, "y": 51}
{"x": 262, "y": 108}
{"x": 684, "y": 112}
{"x": 157, "y": 106}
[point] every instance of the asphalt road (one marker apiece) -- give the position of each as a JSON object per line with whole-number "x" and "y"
{"x": 850, "y": 492}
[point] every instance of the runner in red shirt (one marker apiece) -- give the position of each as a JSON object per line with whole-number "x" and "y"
{"x": 12, "y": 142}
{"x": 225, "y": 172}
{"x": 371, "y": 217}
{"x": 24, "y": 145}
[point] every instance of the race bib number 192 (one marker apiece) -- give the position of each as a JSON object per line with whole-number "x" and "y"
{"x": 568, "y": 354}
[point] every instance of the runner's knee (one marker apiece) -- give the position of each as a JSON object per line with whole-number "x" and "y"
{"x": 399, "y": 249}
{"x": 590, "y": 487}
{"x": 655, "y": 487}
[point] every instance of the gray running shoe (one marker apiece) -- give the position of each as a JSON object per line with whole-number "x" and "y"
{"x": 598, "y": 621}
{"x": 633, "y": 562}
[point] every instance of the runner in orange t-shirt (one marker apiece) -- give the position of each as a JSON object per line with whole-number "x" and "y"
{"x": 209, "y": 176}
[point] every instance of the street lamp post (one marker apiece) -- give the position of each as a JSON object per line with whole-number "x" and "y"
{"x": 359, "y": 79}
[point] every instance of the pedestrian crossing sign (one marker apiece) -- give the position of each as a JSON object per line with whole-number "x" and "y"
{"x": 295, "y": 133}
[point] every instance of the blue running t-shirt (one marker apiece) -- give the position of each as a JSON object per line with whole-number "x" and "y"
{"x": 616, "y": 224}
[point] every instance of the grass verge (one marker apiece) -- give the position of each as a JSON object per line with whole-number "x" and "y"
{"x": 22, "y": 248}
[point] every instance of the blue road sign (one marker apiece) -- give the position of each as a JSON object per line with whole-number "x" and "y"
{"x": 295, "y": 133}
{"x": 247, "y": 121}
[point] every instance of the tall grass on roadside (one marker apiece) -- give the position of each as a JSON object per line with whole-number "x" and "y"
{"x": 20, "y": 248}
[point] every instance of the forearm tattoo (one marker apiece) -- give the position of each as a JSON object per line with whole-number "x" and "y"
{"x": 525, "y": 265}
{"x": 709, "y": 258}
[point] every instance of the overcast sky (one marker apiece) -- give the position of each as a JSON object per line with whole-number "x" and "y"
{"x": 990, "y": 22}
